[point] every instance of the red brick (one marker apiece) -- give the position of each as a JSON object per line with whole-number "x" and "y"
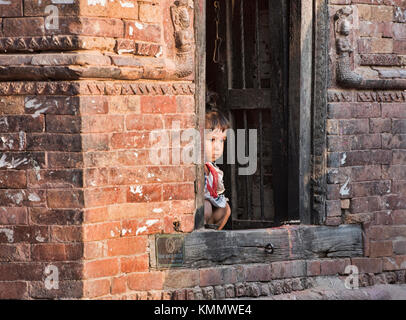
{"x": 146, "y": 281}
{"x": 145, "y": 193}
{"x": 142, "y": 31}
{"x": 332, "y": 267}
{"x": 25, "y": 123}
{"x": 95, "y": 142}
{"x": 100, "y": 268}
{"x": 139, "y": 263}
{"x": 14, "y": 289}
{"x": 54, "y": 142}
{"x": 144, "y": 122}
{"x": 399, "y": 157}
{"x": 118, "y": 285}
{"x": 186, "y": 104}
{"x": 393, "y": 110}
{"x": 399, "y": 217}
{"x": 366, "y": 204}
{"x": 56, "y": 252}
{"x": 313, "y": 267}
{"x": 12, "y": 252}
{"x": 18, "y": 27}
{"x": 126, "y": 246}
{"x": 394, "y": 263}
{"x": 13, "y": 216}
{"x": 378, "y": 125}
{"x": 65, "y": 160}
{"x": 158, "y": 104}
{"x": 102, "y": 123}
{"x": 92, "y": 215}
{"x": 66, "y": 233}
{"x": 96, "y": 288}
{"x": 258, "y": 272}
{"x": 384, "y": 218}
{"x": 395, "y": 202}
{"x": 288, "y": 269}
{"x": 20, "y": 271}
{"x": 71, "y": 178}
{"x": 142, "y": 226}
{"x": 353, "y": 110}
{"x": 67, "y": 198}
{"x": 96, "y": 177}
{"x": 104, "y": 196}
{"x": 93, "y": 250}
{"x": 101, "y": 231}
{"x": 66, "y": 290}
{"x": 130, "y": 140}
{"x": 210, "y": 277}
{"x": 178, "y": 279}
{"x": 380, "y": 249}
{"x": 179, "y": 191}
{"x": 22, "y": 197}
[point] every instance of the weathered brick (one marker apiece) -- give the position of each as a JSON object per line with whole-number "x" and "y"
{"x": 100, "y": 268}
{"x": 54, "y": 142}
{"x": 126, "y": 246}
{"x": 146, "y": 281}
{"x": 158, "y": 104}
{"x": 368, "y": 265}
{"x": 138, "y": 263}
{"x": 394, "y": 263}
{"x": 27, "y": 26}
{"x": 13, "y": 290}
{"x": 13, "y": 179}
{"x": 56, "y": 252}
{"x": 177, "y": 279}
{"x": 25, "y": 123}
{"x": 13, "y": 216}
{"x": 366, "y": 204}
{"x": 65, "y": 199}
{"x": 288, "y": 269}
{"x": 14, "y": 253}
{"x": 380, "y": 249}
{"x": 96, "y": 288}
{"x": 333, "y": 266}
{"x": 142, "y": 31}
{"x": 64, "y": 160}
{"x": 11, "y": 105}
{"x": 378, "y": 125}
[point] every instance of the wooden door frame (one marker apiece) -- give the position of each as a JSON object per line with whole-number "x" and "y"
{"x": 307, "y": 101}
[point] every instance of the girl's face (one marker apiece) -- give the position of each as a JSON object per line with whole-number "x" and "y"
{"x": 214, "y": 144}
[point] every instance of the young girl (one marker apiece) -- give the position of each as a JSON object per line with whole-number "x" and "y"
{"x": 216, "y": 209}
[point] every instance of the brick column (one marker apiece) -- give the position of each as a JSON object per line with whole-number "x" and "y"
{"x": 83, "y": 84}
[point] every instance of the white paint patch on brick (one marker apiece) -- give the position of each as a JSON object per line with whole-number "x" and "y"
{"x": 157, "y": 210}
{"x": 33, "y": 197}
{"x": 14, "y": 162}
{"x": 9, "y": 233}
{"x": 137, "y": 190}
{"x": 126, "y": 4}
{"x": 139, "y": 25}
{"x": 345, "y": 190}
{"x": 96, "y": 2}
{"x": 344, "y": 157}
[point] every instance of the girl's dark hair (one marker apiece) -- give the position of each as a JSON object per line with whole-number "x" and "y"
{"x": 215, "y": 119}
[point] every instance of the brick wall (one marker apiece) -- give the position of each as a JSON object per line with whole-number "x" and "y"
{"x": 78, "y": 190}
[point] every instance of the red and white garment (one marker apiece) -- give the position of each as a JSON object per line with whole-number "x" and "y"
{"x": 214, "y": 186}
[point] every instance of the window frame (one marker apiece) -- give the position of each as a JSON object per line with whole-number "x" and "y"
{"x": 307, "y": 98}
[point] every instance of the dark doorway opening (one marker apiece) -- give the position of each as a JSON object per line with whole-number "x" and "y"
{"x": 247, "y": 69}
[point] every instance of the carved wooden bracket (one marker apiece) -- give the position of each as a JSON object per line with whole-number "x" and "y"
{"x": 346, "y": 76}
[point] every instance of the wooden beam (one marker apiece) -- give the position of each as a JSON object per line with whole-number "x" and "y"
{"x": 213, "y": 248}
